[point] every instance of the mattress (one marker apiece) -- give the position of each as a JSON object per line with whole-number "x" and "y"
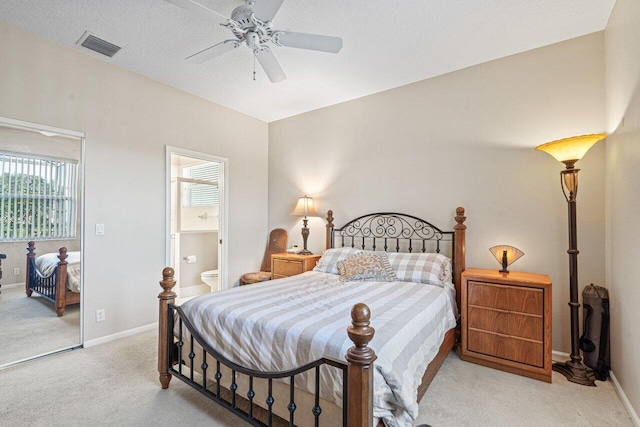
{"x": 47, "y": 263}
{"x": 285, "y": 323}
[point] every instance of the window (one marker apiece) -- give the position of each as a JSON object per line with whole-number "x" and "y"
{"x": 201, "y": 194}
{"x": 38, "y": 198}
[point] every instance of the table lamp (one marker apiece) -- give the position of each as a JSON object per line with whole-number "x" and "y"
{"x": 506, "y": 255}
{"x": 304, "y": 208}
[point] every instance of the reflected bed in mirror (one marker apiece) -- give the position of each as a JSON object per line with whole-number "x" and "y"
{"x": 55, "y": 277}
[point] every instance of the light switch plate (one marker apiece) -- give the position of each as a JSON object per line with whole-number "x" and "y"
{"x": 99, "y": 229}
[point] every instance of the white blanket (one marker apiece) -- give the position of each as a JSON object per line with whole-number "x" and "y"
{"x": 48, "y": 262}
{"x": 289, "y": 322}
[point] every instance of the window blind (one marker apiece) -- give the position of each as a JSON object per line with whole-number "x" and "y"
{"x": 201, "y": 194}
{"x": 38, "y": 199}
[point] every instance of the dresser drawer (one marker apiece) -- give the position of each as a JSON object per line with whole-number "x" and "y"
{"x": 285, "y": 267}
{"x": 522, "y": 300}
{"x": 506, "y": 347}
{"x": 505, "y": 322}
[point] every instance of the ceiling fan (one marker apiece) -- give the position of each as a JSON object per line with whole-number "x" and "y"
{"x": 251, "y": 24}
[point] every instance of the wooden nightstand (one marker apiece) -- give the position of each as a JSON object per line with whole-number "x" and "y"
{"x": 506, "y": 321}
{"x": 285, "y": 264}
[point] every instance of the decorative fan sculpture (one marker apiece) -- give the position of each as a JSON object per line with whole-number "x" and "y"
{"x": 251, "y": 24}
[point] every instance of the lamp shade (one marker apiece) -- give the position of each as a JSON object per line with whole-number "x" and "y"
{"x": 506, "y": 255}
{"x": 304, "y": 207}
{"x": 570, "y": 150}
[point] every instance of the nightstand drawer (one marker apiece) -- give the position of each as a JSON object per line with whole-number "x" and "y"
{"x": 285, "y": 267}
{"x": 505, "y": 322}
{"x": 506, "y": 347}
{"x": 522, "y": 300}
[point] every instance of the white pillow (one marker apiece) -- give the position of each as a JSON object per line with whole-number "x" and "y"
{"x": 330, "y": 258}
{"x": 429, "y": 268}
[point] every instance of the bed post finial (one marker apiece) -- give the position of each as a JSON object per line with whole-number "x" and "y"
{"x": 360, "y": 371}
{"x": 166, "y": 297}
{"x": 460, "y": 218}
{"x": 459, "y": 245}
{"x": 329, "y": 231}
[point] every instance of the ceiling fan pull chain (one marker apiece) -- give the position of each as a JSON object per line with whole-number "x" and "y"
{"x": 254, "y": 65}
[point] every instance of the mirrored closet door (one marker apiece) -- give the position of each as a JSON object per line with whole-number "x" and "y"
{"x": 41, "y": 176}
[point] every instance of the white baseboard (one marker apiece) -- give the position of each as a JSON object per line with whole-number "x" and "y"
{"x": 12, "y": 285}
{"x": 625, "y": 401}
{"x": 559, "y": 355}
{"x": 117, "y": 336}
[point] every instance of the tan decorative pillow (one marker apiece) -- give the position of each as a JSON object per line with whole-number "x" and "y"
{"x": 372, "y": 266}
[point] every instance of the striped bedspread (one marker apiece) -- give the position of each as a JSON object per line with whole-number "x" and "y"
{"x": 286, "y": 323}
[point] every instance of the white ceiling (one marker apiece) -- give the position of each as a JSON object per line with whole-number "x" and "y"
{"x": 387, "y": 43}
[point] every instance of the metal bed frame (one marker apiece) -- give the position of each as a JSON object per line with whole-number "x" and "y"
{"x": 368, "y": 231}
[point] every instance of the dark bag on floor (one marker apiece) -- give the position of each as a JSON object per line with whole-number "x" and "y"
{"x": 594, "y": 341}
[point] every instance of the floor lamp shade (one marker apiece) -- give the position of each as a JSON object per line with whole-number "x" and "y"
{"x": 569, "y": 151}
{"x": 304, "y": 208}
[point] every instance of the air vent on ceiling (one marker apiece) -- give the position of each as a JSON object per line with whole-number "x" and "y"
{"x": 95, "y": 43}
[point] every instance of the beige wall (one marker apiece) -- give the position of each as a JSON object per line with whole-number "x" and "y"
{"x": 461, "y": 139}
{"x": 623, "y": 192}
{"x": 128, "y": 120}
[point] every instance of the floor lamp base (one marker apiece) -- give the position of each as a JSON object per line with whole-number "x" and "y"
{"x": 576, "y": 372}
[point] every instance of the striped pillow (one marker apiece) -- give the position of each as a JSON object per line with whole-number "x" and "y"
{"x": 429, "y": 268}
{"x": 330, "y": 257}
{"x": 373, "y": 266}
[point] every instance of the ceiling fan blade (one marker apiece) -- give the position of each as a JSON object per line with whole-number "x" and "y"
{"x": 213, "y": 51}
{"x": 308, "y": 41}
{"x": 270, "y": 65}
{"x": 265, "y": 10}
{"x": 201, "y": 11}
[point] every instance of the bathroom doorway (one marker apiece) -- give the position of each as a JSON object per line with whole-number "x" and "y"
{"x": 196, "y": 221}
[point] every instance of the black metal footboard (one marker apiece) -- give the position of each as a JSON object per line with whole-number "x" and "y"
{"x": 208, "y": 376}
{"x": 43, "y": 285}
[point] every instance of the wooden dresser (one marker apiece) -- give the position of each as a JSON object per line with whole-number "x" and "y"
{"x": 506, "y": 321}
{"x": 285, "y": 264}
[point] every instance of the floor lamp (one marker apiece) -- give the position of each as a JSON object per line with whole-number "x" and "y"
{"x": 569, "y": 151}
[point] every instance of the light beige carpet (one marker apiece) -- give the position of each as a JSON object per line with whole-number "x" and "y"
{"x": 115, "y": 384}
{"x": 465, "y": 394}
{"x": 30, "y": 326}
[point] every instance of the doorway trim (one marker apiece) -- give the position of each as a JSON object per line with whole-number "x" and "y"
{"x": 223, "y": 220}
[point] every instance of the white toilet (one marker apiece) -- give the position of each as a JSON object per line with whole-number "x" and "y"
{"x": 210, "y": 277}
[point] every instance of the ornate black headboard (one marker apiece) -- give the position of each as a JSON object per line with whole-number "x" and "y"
{"x": 391, "y": 231}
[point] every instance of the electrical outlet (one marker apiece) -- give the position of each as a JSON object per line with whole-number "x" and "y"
{"x": 16, "y": 271}
{"x": 100, "y": 316}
